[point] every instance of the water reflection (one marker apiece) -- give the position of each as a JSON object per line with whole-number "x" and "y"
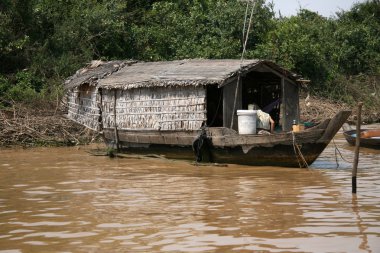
{"x": 63, "y": 200}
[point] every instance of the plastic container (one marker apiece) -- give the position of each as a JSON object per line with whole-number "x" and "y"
{"x": 247, "y": 121}
{"x": 299, "y": 127}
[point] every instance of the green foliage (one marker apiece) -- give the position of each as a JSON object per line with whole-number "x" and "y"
{"x": 358, "y": 39}
{"x": 26, "y": 88}
{"x": 175, "y": 30}
{"x": 44, "y": 41}
{"x": 200, "y": 28}
{"x": 4, "y": 87}
{"x": 78, "y": 32}
{"x": 13, "y": 42}
{"x": 334, "y": 54}
{"x": 301, "y": 43}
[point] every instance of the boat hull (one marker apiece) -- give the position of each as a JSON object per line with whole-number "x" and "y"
{"x": 278, "y": 155}
{"x": 364, "y": 142}
{"x": 223, "y": 145}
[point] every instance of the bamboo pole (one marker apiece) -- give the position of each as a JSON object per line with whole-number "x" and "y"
{"x": 357, "y": 146}
{"x": 114, "y": 117}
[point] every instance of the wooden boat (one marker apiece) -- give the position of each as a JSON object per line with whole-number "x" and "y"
{"x": 187, "y": 109}
{"x": 223, "y": 145}
{"x": 369, "y": 138}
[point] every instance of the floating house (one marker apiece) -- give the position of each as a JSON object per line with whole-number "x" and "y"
{"x": 180, "y": 95}
{"x": 146, "y": 105}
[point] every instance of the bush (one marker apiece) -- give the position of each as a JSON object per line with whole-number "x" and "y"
{"x": 24, "y": 88}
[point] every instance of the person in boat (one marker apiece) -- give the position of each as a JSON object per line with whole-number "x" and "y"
{"x": 264, "y": 120}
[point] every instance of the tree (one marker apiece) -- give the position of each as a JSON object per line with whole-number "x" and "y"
{"x": 199, "y": 28}
{"x": 13, "y": 39}
{"x": 358, "y": 39}
{"x": 301, "y": 43}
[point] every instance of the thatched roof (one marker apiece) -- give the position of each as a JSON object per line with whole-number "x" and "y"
{"x": 174, "y": 73}
{"x": 95, "y": 71}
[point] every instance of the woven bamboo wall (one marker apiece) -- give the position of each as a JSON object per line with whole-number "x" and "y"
{"x": 160, "y": 108}
{"x": 83, "y": 106}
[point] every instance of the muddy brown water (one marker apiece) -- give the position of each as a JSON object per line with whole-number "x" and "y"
{"x": 65, "y": 200}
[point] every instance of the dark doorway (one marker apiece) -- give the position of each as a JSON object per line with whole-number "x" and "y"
{"x": 264, "y": 90}
{"x": 214, "y": 106}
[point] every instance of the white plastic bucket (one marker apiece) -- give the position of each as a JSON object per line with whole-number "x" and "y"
{"x": 247, "y": 121}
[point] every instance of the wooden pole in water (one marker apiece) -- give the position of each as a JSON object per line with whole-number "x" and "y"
{"x": 357, "y": 146}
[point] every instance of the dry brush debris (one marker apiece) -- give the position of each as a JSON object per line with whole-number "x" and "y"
{"x": 32, "y": 126}
{"x": 315, "y": 109}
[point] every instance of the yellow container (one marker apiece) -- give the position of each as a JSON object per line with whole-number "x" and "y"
{"x": 299, "y": 127}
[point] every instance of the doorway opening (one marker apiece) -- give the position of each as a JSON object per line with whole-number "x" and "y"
{"x": 264, "y": 90}
{"x": 214, "y": 106}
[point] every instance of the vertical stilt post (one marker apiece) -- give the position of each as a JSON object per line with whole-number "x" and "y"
{"x": 357, "y": 146}
{"x": 114, "y": 116}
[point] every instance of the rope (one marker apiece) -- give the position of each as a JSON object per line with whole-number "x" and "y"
{"x": 297, "y": 151}
{"x": 249, "y": 27}
{"x": 336, "y": 156}
{"x": 245, "y": 22}
{"x": 245, "y": 40}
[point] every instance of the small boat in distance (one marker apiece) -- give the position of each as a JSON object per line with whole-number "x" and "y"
{"x": 188, "y": 109}
{"x": 369, "y": 138}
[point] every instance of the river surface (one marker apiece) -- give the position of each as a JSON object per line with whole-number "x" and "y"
{"x": 66, "y": 200}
